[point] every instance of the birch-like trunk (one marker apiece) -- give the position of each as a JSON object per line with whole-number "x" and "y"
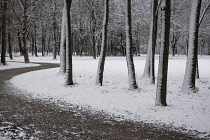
{"x": 149, "y": 70}
{"x": 69, "y": 72}
{"x": 164, "y": 51}
{"x": 63, "y": 44}
{"x": 129, "y": 46}
{"x": 190, "y": 71}
{"x": 101, "y": 63}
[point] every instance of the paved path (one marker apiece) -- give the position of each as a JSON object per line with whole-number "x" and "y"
{"x": 44, "y": 120}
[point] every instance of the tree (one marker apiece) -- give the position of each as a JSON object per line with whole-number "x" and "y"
{"x": 101, "y": 63}
{"x": 3, "y": 36}
{"x": 129, "y": 46}
{"x": 200, "y": 21}
{"x": 54, "y": 30}
{"x": 25, "y": 7}
{"x": 69, "y": 74}
{"x": 149, "y": 70}
{"x": 190, "y": 71}
{"x": 164, "y": 51}
{"x": 63, "y": 44}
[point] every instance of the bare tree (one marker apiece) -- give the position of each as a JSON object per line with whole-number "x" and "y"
{"x": 101, "y": 63}
{"x": 150, "y": 59}
{"x": 63, "y": 45}
{"x": 164, "y": 51}
{"x": 69, "y": 72}
{"x": 3, "y": 36}
{"x": 129, "y": 46}
{"x": 190, "y": 71}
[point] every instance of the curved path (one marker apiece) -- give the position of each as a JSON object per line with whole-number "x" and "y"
{"x": 44, "y": 120}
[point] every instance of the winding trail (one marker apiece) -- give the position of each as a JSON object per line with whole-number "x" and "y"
{"x": 45, "y": 120}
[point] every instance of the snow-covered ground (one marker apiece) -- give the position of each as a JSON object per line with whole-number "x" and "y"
{"x": 185, "y": 110}
{"x": 40, "y": 59}
{"x": 13, "y": 65}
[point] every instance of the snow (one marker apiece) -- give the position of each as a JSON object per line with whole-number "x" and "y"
{"x": 13, "y": 65}
{"x": 39, "y": 59}
{"x": 189, "y": 111}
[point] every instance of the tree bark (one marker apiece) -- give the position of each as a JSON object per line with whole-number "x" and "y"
{"x": 164, "y": 51}
{"x": 9, "y": 46}
{"x": 54, "y": 35}
{"x": 3, "y": 36}
{"x": 190, "y": 71}
{"x": 93, "y": 34}
{"x": 154, "y": 38}
{"x": 35, "y": 45}
{"x": 129, "y": 46}
{"x": 101, "y": 63}
{"x": 63, "y": 44}
{"x": 149, "y": 70}
{"x": 24, "y": 34}
{"x": 69, "y": 72}
{"x": 20, "y": 43}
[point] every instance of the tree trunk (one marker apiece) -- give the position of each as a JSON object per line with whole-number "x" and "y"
{"x": 154, "y": 38}
{"x": 3, "y": 36}
{"x": 190, "y": 71}
{"x": 9, "y": 41}
{"x": 164, "y": 51}
{"x": 63, "y": 44}
{"x": 121, "y": 45}
{"x": 24, "y": 35}
{"x": 149, "y": 70}
{"x": 197, "y": 76}
{"x": 93, "y": 34}
{"x": 129, "y": 46}
{"x": 43, "y": 41}
{"x": 20, "y": 43}
{"x": 54, "y": 37}
{"x": 101, "y": 63}
{"x": 10, "y": 46}
{"x": 69, "y": 72}
{"x": 35, "y": 45}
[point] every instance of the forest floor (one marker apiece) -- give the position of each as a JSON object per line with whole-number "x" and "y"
{"x": 37, "y": 114}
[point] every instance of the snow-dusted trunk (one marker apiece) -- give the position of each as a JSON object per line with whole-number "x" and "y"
{"x": 4, "y": 28}
{"x": 190, "y": 71}
{"x": 129, "y": 46}
{"x": 154, "y": 38}
{"x": 146, "y": 73}
{"x": 149, "y": 70}
{"x": 163, "y": 59}
{"x": 63, "y": 44}
{"x": 69, "y": 72}
{"x": 101, "y": 63}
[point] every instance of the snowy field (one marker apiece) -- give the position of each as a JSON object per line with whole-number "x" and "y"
{"x": 189, "y": 111}
{"x": 13, "y": 65}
